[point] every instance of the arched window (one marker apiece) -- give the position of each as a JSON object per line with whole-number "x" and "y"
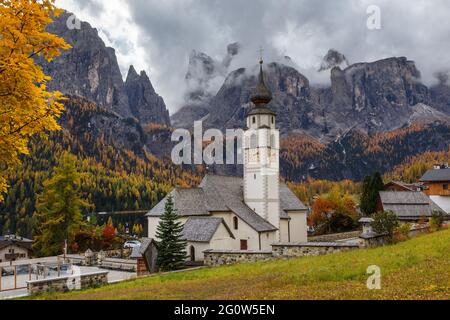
{"x": 192, "y": 253}
{"x": 253, "y": 120}
{"x": 273, "y": 141}
{"x": 253, "y": 141}
{"x": 235, "y": 223}
{"x": 273, "y": 120}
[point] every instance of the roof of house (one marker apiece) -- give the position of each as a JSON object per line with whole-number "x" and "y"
{"x": 225, "y": 193}
{"x": 436, "y": 175}
{"x": 202, "y": 229}
{"x": 408, "y": 204}
{"x": 404, "y": 186}
{"x": 8, "y": 240}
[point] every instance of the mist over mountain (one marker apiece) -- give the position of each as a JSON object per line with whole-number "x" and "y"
{"x": 371, "y": 99}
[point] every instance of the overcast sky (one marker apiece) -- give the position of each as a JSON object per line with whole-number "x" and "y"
{"x": 158, "y": 35}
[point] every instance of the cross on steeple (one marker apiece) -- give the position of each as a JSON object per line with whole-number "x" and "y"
{"x": 261, "y": 51}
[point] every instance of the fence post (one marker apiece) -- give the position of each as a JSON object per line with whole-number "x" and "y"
{"x": 29, "y": 272}
{"x": 59, "y": 269}
{"x": 15, "y": 277}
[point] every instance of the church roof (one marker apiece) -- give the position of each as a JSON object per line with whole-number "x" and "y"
{"x": 261, "y": 95}
{"x": 225, "y": 194}
{"x": 202, "y": 229}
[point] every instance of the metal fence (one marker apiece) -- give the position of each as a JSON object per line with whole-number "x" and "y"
{"x": 16, "y": 277}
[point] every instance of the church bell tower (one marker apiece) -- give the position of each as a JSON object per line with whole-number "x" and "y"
{"x": 261, "y": 156}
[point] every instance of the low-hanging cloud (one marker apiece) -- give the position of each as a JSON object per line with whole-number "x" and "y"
{"x": 159, "y": 35}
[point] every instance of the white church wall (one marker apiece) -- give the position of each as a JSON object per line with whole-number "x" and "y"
{"x": 267, "y": 239}
{"x": 284, "y": 230}
{"x": 199, "y": 248}
{"x": 222, "y": 239}
{"x": 153, "y": 223}
{"x": 244, "y": 232}
{"x": 298, "y": 226}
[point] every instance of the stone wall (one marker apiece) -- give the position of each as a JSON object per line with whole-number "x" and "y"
{"x": 226, "y": 257}
{"x": 335, "y": 236}
{"x": 67, "y": 283}
{"x": 279, "y": 250}
{"x": 289, "y": 250}
{"x": 376, "y": 240}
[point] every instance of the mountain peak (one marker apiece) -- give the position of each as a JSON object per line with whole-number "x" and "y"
{"x": 333, "y": 59}
{"x": 132, "y": 74}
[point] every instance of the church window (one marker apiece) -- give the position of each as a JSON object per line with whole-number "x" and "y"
{"x": 254, "y": 176}
{"x": 273, "y": 120}
{"x": 192, "y": 253}
{"x": 253, "y": 141}
{"x": 254, "y": 120}
{"x": 236, "y": 223}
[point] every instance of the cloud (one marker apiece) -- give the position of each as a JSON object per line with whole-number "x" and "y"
{"x": 159, "y": 35}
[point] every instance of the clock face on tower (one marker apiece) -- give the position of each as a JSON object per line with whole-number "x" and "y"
{"x": 253, "y": 155}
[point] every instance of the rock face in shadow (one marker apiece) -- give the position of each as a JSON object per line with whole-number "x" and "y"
{"x": 145, "y": 104}
{"x": 90, "y": 70}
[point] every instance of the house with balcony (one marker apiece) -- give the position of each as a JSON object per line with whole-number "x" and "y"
{"x": 437, "y": 186}
{"x": 13, "y": 248}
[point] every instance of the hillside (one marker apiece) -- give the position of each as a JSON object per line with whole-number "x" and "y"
{"x": 117, "y": 173}
{"x": 415, "y": 269}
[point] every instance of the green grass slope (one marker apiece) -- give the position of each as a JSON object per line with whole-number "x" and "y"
{"x": 415, "y": 269}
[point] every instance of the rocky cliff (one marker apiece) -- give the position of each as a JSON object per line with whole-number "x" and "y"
{"x": 90, "y": 70}
{"x": 145, "y": 104}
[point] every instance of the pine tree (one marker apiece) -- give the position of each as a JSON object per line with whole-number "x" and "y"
{"x": 171, "y": 246}
{"x": 58, "y": 216}
{"x": 372, "y": 185}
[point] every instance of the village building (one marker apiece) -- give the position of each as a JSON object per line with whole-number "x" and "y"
{"x": 241, "y": 213}
{"x": 402, "y": 186}
{"x": 437, "y": 183}
{"x": 409, "y": 206}
{"x": 13, "y": 248}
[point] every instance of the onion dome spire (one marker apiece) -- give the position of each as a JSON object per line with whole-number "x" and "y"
{"x": 261, "y": 95}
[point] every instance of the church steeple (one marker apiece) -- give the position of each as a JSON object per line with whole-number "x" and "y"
{"x": 261, "y": 156}
{"x": 261, "y": 95}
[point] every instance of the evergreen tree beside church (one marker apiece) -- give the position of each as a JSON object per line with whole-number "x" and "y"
{"x": 372, "y": 185}
{"x": 171, "y": 246}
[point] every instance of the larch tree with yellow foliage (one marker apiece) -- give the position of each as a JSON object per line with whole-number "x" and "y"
{"x": 26, "y": 106}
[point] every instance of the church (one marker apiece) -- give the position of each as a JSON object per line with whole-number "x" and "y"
{"x": 248, "y": 213}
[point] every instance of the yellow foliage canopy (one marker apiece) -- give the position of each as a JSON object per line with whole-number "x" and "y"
{"x": 26, "y": 107}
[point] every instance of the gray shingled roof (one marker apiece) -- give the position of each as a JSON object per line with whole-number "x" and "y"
{"x": 187, "y": 202}
{"x": 225, "y": 193}
{"x": 407, "y": 204}
{"x": 289, "y": 201}
{"x": 202, "y": 229}
{"x": 436, "y": 175}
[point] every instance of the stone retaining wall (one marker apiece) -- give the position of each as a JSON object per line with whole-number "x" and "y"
{"x": 290, "y": 250}
{"x": 67, "y": 283}
{"x": 219, "y": 257}
{"x": 335, "y": 236}
{"x": 280, "y": 250}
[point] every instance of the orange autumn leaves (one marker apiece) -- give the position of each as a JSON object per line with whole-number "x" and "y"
{"x": 335, "y": 212}
{"x": 26, "y": 107}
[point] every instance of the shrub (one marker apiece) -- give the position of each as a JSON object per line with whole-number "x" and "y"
{"x": 402, "y": 232}
{"x": 385, "y": 223}
{"x": 436, "y": 220}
